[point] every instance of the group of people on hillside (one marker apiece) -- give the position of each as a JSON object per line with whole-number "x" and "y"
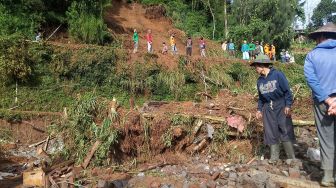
{"x": 275, "y": 101}
{"x": 251, "y": 50}
{"x": 172, "y": 43}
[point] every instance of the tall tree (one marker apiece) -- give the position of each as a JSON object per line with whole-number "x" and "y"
{"x": 324, "y": 12}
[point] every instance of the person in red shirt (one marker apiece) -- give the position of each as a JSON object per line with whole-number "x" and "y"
{"x": 149, "y": 39}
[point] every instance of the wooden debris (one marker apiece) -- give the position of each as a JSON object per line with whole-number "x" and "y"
{"x": 235, "y": 108}
{"x": 34, "y": 178}
{"x": 53, "y": 183}
{"x": 157, "y": 103}
{"x": 303, "y": 123}
{"x": 91, "y": 153}
{"x": 39, "y": 143}
{"x": 154, "y": 166}
{"x": 251, "y": 161}
{"x": 204, "y": 94}
{"x": 46, "y": 144}
{"x": 218, "y": 119}
{"x": 201, "y": 145}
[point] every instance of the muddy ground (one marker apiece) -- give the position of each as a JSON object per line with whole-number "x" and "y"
{"x": 207, "y": 157}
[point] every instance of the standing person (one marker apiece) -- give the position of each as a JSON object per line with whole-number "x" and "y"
{"x": 224, "y": 46}
{"x": 252, "y": 48}
{"x": 135, "y": 41}
{"x": 164, "y": 48}
{"x": 320, "y": 71}
{"x": 202, "y": 46}
{"x": 189, "y": 46}
{"x": 231, "y": 48}
{"x": 149, "y": 39}
{"x": 274, "y": 107}
{"x": 173, "y": 44}
{"x": 257, "y": 49}
{"x": 245, "y": 50}
{"x": 262, "y": 47}
{"x": 272, "y": 52}
{"x": 267, "y": 50}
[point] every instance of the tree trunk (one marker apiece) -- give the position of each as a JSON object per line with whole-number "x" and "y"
{"x": 225, "y": 20}
{"x": 213, "y": 20}
{"x": 16, "y": 92}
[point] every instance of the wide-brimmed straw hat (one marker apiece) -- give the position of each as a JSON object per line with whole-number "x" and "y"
{"x": 261, "y": 59}
{"x": 329, "y": 29}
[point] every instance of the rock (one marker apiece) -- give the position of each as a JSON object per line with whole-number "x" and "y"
{"x": 185, "y": 184}
{"x": 211, "y": 184}
{"x": 225, "y": 175}
{"x": 227, "y": 169}
{"x": 232, "y": 184}
{"x": 184, "y": 174}
{"x": 285, "y": 173}
{"x": 155, "y": 184}
{"x": 233, "y": 176}
{"x": 289, "y": 161}
{"x": 241, "y": 169}
{"x": 177, "y": 132}
{"x": 102, "y": 184}
{"x": 166, "y": 186}
{"x": 294, "y": 173}
{"x": 141, "y": 174}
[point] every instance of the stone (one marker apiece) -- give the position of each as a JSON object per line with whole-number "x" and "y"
{"x": 185, "y": 184}
{"x": 294, "y": 173}
{"x": 177, "y": 132}
{"x": 227, "y": 169}
{"x": 102, "y": 184}
{"x": 184, "y": 174}
{"x": 141, "y": 174}
{"x": 155, "y": 184}
{"x": 211, "y": 184}
{"x": 289, "y": 161}
{"x": 285, "y": 173}
{"x": 233, "y": 176}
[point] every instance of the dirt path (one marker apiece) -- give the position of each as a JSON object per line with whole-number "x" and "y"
{"x": 122, "y": 19}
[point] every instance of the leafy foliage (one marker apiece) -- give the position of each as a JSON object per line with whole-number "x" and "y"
{"x": 324, "y": 13}
{"x": 15, "y": 60}
{"x": 80, "y": 129}
{"x": 86, "y": 23}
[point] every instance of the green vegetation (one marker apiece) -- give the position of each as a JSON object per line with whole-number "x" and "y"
{"x": 264, "y": 20}
{"x": 50, "y": 78}
{"x": 325, "y": 11}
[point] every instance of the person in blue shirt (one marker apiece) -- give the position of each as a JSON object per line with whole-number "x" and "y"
{"x": 274, "y": 107}
{"x": 231, "y": 48}
{"x": 320, "y": 73}
{"x": 245, "y": 50}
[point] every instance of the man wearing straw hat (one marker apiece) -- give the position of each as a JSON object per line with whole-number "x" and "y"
{"x": 320, "y": 73}
{"x": 274, "y": 107}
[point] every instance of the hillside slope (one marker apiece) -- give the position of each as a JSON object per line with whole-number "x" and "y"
{"x": 123, "y": 18}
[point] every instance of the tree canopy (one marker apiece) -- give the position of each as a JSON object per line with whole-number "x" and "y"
{"x": 268, "y": 20}
{"x": 324, "y": 12}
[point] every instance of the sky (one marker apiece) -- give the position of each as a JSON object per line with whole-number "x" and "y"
{"x": 309, "y": 7}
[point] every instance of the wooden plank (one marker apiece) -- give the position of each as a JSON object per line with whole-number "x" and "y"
{"x": 34, "y": 178}
{"x": 91, "y": 153}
